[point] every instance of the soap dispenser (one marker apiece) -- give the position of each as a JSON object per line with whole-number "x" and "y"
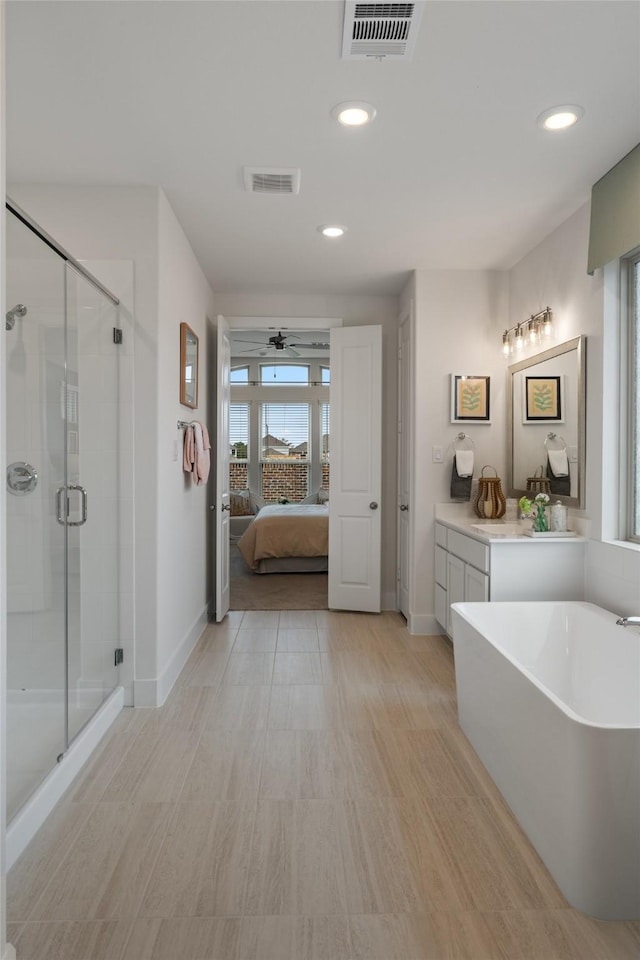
{"x": 559, "y": 517}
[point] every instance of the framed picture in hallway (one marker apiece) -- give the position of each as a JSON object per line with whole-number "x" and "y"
{"x": 470, "y": 399}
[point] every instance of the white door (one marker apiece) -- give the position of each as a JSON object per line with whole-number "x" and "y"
{"x": 222, "y": 504}
{"x": 404, "y": 463}
{"x": 354, "y": 513}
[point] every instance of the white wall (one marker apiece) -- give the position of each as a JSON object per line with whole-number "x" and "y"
{"x": 354, "y": 311}
{"x": 183, "y": 581}
{"x": 459, "y": 319}
{"x": 555, "y": 274}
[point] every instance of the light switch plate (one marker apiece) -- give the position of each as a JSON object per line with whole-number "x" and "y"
{"x": 436, "y": 454}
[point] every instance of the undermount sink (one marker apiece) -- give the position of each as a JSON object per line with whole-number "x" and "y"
{"x": 499, "y": 529}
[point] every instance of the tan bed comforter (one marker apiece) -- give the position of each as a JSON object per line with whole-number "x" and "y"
{"x": 288, "y": 530}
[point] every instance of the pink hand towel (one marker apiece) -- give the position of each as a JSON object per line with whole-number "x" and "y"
{"x": 188, "y": 449}
{"x": 202, "y": 461}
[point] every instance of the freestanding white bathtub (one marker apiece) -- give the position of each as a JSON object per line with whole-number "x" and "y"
{"x": 549, "y": 696}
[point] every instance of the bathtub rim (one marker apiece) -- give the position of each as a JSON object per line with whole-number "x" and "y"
{"x": 465, "y": 609}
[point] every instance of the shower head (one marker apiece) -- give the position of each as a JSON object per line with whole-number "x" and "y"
{"x": 18, "y": 311}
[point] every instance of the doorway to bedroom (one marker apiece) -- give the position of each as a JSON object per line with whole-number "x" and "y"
{"x": 279, "y": 457}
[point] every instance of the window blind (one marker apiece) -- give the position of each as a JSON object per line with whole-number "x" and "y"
{"x": 615, "y": 212}
{"x": 239, "y": 430}
{"x": 284, "y": 431}
{"x": 324, "y": 431}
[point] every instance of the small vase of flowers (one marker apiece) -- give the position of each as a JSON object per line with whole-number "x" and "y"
{"x": 537, "y": 510}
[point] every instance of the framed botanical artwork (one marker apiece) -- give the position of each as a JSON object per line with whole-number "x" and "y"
{"x": 470, "y": 399}
{"x": 543, "y": 400}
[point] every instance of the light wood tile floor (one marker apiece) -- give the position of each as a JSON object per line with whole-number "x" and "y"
{"x": 304, "y": 794}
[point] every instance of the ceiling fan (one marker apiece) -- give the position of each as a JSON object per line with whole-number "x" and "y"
{"x": 280, "y": 342}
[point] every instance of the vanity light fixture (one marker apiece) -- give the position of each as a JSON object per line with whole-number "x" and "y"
{"x": 537, "y": 329}
{"x": 561, "y": 117}
{"x": 333, "y": 231}
{"x": 354, "y": 113}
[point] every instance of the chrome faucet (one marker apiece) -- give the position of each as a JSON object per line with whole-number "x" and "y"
{"x": 628, "y": 622}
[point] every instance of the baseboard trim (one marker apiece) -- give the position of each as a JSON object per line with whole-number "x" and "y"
{"x": 154, "y": 692}
{"x": 424, "y": 625}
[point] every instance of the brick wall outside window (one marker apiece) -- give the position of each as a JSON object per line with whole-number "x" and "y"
{"x": 238, "y": 476}
{"x": 325, "y": 476}
{"x": 288, "y": 480}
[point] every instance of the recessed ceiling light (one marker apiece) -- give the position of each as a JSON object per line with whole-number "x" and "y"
{"x": 332, "y": 230}
{"x": 353, "y": 113}
{"x": 560, "y": 118}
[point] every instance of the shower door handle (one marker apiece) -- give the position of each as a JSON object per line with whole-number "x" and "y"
{"x": 63, "y": 505}
{"x": 83, "y": 496}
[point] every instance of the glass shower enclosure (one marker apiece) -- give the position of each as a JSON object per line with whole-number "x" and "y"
{"x": 62, "y": 505}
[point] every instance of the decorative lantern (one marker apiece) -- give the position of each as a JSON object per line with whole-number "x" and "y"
{"x": 489, "y": 503}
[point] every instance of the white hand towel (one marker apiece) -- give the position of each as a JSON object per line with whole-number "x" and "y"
{"x": 464, "y": 463}
{"x": 559, "y": 463}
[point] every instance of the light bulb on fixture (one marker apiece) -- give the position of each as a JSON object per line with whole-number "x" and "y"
{"x": 528, "y": 333}
{"x": 519, "y": 339}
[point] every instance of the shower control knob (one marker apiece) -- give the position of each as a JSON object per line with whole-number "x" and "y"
{"x": 21, "y": 478}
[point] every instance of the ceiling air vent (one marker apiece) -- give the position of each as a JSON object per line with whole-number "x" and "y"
{"x": 380, "y": 31}
{"x": 277, "y": 181}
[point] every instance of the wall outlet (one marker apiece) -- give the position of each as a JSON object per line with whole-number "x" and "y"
{"x": 436, "y": 454}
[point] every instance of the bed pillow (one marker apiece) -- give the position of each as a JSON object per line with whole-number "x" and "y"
{"x": 312, "y": 498}
{"x": 323, "y": 496}
{"x": 240, "y": 503}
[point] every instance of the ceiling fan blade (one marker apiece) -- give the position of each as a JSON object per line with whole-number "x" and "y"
{"x": 311, "y": 346}
{"x": 254, "y": 350}
{"x": 257, "y": 342}
{"x": 290, "y": 352}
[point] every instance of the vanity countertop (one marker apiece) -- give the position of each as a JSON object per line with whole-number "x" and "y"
{"x": 489, "y": 531}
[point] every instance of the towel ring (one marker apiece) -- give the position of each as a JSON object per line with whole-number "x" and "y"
{"x": 553, "y": 438}
{"x": 459, "y": 439}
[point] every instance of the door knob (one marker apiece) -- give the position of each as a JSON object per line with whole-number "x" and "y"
{"x": 373, "y": 505}
{"x": 403, "y": 506}
{"x": 226, "y": 506}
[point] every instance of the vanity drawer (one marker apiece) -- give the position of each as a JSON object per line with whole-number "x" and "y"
{"x": 441, "y": 535}
{"x": 469, "y": 550}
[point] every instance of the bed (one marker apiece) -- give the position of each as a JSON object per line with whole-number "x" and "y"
{"x": 287, "y": 538}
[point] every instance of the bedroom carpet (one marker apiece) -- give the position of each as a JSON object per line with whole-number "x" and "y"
{"x": 274, "y": 591}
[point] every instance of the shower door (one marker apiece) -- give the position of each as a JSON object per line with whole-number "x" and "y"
{"x": 62, "y": 550}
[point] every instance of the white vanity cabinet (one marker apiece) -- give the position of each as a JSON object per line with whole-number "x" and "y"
{"x": 477, "y": 568}
{"x": 461, "y": 571}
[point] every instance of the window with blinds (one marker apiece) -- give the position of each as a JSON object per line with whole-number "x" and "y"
{"x": 284, "y": 451}
{"x": 324, "y": 432}
{"x": 239, "y": 431}
{"x": 284, "y": 431}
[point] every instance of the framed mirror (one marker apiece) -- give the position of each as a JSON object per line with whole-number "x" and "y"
{"x": 546, "y": 424}
{"x": 188, "y": 366}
